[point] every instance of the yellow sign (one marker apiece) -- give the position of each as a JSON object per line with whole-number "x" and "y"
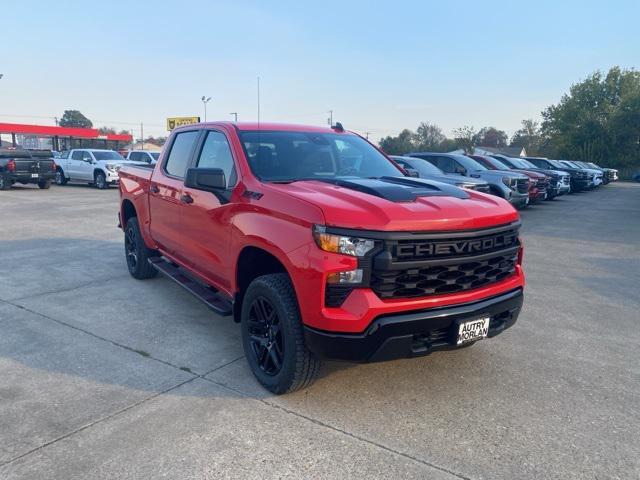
{"x": 175, "y": 122}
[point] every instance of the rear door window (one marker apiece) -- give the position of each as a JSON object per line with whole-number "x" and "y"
{"x": 180, "y": 153}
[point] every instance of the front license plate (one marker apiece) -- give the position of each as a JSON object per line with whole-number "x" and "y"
{"x": 473, "y": 330}
{"x": 34, "y": 175}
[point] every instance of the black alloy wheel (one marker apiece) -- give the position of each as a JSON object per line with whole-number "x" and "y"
{"x": 265, "y": 336}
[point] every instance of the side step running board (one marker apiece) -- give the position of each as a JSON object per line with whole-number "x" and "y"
{"x": 208, "y": 295}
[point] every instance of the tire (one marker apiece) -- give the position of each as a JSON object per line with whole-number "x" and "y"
{"x": 137, "y": 253}
{"x": 44, "y": 184}
{"x": 100, "y": 180}
{"x": 4, "y": 183}
{"x": 60, "y": 178}
{"x": 272, "y": 328}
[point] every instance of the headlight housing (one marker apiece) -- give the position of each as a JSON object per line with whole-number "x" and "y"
{"x": 111, "y": 168}
{"x": 508, "y": 181}
{"x": 346, "y": 245}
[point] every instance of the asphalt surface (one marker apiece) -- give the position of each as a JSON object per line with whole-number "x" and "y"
{"x": 103, "y": 376}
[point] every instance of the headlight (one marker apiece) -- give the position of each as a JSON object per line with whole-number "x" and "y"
{"x": 111, "y": 168}
{"x": 470, "y": 186}
{"x": 357, "y": 247}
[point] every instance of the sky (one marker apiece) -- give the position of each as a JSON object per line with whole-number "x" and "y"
{"x": 380, "y": 66}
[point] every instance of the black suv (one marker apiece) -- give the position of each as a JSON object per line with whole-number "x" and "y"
{"x": 580, "y": 177}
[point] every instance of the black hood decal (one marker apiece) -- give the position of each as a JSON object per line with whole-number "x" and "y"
{"x": 398, "y": 189}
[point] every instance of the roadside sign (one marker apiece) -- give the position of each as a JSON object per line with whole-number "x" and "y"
{"x": 174, "y": 122}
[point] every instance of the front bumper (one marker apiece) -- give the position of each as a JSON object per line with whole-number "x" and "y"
{"x": 111, "y": 176}
{"x": 414, "y": 333}
{"x": 518, "y": 199}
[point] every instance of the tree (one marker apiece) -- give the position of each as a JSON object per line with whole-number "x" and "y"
{"x": 491, "y": 137}
{"x": 73, "y": 118}
{"x": 403, "y": 143}
{"x": 466, "y": 138}
{"x": 106, "y": 130}
{"x": 598, "y": 120}
{"x": 159, "y": 141}
{"x": 428, "y": 137}
{"x": 528, "y": 137}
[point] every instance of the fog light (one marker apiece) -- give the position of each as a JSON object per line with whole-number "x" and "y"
{"x": 342, "y": 278}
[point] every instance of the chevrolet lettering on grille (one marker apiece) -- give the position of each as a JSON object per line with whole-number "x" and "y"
{"x": 460, "y": 247}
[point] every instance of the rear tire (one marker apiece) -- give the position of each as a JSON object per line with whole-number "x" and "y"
{"x": 60, "y": 178}
{"x": 272, "y": 336}
{"x": 44, "y": 184}
{"x": 4, "y": 183}
{"x": 100, "y": 180}
{"x": 137, "y": 253}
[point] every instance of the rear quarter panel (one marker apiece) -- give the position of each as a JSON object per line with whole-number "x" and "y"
{"x": 134, "y": 188}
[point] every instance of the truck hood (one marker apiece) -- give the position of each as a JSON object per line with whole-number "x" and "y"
{"x": 400, "y": 204}
{"x": 497, "y": 175}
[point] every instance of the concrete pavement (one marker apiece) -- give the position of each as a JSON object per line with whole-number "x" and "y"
{"x": 103, "y": 376}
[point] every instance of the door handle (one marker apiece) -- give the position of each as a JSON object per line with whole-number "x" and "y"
{"x": 186, "y": 198}
{"x": 154, "y": 189}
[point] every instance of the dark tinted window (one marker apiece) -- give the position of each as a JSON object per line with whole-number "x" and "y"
{"x": 289, "y": 156}
{"x": 77, "y": 155}
{"x": 446, "y": 164}
{"x": 107, "y": 155}
{"x": 135, "y": 156}
{"x": 180, "y": 153}
{"x": 216, "y": 153}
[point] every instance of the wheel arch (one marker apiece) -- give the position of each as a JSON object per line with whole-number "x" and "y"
{"x": 252, "y": 263}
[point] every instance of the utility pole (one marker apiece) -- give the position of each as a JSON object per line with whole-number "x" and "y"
{"x": 366, "y": 135}
{"x": 330, "y": 119}
{"x": 205, "y": 100}
{"x": 235, "y": 114}
{"x": 142, "y": 136}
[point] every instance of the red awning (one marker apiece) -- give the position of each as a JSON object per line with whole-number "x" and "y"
{"x": 48, "y": 131}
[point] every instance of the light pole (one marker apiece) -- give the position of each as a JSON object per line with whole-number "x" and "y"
{"x": 205, "y": 100}
{"x": 235, "y": 114}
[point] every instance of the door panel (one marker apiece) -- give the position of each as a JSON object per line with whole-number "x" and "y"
{"x": 206, "y": 219}
{"x": 165, "y": 206}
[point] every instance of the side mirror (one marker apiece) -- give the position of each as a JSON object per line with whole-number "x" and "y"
{"x": 207, "y": 179}
{"x": 412, "y": 173}
{"x": 461, "y": 170}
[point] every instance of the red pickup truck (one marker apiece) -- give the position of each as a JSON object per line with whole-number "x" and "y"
{"x": 320, "y": 246}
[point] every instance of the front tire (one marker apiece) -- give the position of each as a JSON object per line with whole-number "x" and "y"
{"x": 60, "y": 178}
{"x": 137, "y": 252}
{"x": 272, "y": 336}
{"x": 44, "y": 184}
{"x": 101, "y": 181}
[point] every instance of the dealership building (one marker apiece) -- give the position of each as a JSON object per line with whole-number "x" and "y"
{"x": 44, "y": 137}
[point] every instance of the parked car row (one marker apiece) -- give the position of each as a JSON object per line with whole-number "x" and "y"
{"x": 521, "y": 181}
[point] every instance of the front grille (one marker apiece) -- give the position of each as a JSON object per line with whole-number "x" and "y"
{"x": 522, "y": 185}
{"x": 483, "y": 188}
{"x": 444, "y": 264}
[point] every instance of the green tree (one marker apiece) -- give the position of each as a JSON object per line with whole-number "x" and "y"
{"x": 73, "y": 118}
{"x": 466, "y": 138}
{"x": 403, "y": 143}
{"x": 598, "y": 120}
{"x": 528, "y": 137}
{"x": 491, "y": 137}
{"x": 106, "y": 130}
{"x": 428, "y": 137}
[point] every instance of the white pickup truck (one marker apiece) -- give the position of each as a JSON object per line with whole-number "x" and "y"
{"x": 145, "y": 156}
{"x": 93, "y": 166}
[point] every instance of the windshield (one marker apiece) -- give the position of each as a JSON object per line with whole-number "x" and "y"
{"x": 292, "y": 156}
{"x": 519, "y": 163}
{"x": 498, "y": 163}
{"x": 155, "y": 155}
{"x": 423, "y": 167}
{"x": 107, "y": 155}
{"x": 528, "y": 164}
{"x": 469, "y": 163}
{"x": 556, "y": 163}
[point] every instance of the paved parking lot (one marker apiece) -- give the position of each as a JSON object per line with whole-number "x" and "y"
{"x": 103, "y": 376}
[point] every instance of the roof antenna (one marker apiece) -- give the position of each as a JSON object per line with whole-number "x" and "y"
{"x": 338, "y": 127}
{"x": 258, "y": 102}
